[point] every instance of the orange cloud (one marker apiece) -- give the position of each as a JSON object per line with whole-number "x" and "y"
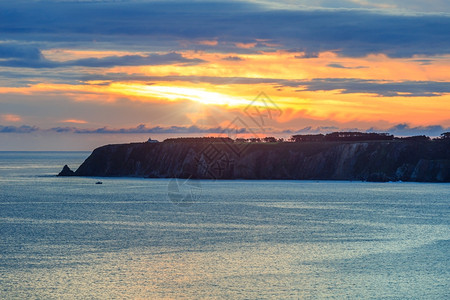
{"x": 245, "y": 45}
{"x": 11, "y": 118}
{"x": 208, "y": 43}
{"x": 75, "y": 121}
{"x": 285, "y": 65}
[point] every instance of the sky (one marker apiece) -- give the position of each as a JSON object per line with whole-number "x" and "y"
{"x": 75, "y": 75}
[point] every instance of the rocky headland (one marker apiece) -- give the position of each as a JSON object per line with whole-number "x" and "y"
{"x": 217, "y": 158}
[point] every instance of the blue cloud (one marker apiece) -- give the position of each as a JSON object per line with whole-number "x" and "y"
{"x": 140, "y": 129}
{"x": 407, "y": 130}
{"x": 25, "y": 60}
{"x": 12, "y": 51}
{"x": 313, "y": 130}
{"x": 339, "y": 66}
{"x": 233, "y": 58}
{"x": 397, "y": 130}
{"x": 18, "y": 129}
{"x": 353, "y": 85}
{"x": 304, "y": 55}
{"x": 156, "y": 130}
{"x": 141, "y": 25}
{"x": 134, "y": 60}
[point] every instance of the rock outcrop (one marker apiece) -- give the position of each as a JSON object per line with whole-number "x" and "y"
{"x": 66, "y": 171}
{"x": 426, "y": 161}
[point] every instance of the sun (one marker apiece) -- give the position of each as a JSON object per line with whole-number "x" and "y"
{"x": 175, "y": 93}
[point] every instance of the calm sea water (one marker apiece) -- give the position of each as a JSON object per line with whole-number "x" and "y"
{"x": 161, "y": 239}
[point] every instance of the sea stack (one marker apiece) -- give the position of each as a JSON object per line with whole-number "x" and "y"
{"x": 66, "y": 171}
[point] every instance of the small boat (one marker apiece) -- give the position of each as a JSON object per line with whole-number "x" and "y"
{"x": 99, "y": 182}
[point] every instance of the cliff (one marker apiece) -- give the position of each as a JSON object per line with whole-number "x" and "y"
{"x": 425, "y": 161}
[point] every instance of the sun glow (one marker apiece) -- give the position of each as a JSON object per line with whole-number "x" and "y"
{"x": 171, "y": 93}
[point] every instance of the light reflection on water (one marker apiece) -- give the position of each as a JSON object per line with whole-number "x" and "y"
{"x": 70, "y": 238}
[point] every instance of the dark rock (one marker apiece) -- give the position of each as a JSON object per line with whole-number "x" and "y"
{"x": 403, "y": 173}
{"x": 378, "y": 177}
{"x": 368, "y": 161}
{"x": 66, "y": 171}
{"x": 432, "y": 170}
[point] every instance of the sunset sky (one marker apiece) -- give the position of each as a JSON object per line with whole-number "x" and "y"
{"x": 75, "y": 75}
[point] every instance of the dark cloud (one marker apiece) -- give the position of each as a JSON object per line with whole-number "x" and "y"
{"x": 39, "y": 61}
{"x": 339, "y": 66}
{"x": 233, "y": 58}
{"x": 140, "y": 129}
{"x": 147, "y": 24}
{"x": 29, "y": 63}
{"x": 407, "y": 130}
{"x": 397, "y": 130}
{"x": 12, "y": 51}
{"x": 18, "y": 77}
{"x": 19, "y": 55}
{"x": 18, "y": 129}
{"x": 313, "y": 130}
{"x": 424, "y": 62}
{"x": 306, "y": 55}
{"x": 381, "y": 88}
{"x": 157, "y": 129}
{"x": 134, "y": 60}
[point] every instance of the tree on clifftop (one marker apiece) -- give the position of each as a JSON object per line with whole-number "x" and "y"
{"x": 445, "y": 135}
{"x": 270, "y": 139}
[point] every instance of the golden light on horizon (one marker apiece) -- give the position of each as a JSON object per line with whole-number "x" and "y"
{"x": 318, "y": 88}
{"x": 175, "y": 93}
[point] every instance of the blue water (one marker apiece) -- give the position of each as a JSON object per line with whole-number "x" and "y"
{"x": 162, "y": 239}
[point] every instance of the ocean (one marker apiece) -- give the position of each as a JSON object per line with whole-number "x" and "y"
{"x": 70, "y": 237}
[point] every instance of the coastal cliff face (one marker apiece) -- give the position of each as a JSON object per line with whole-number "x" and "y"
{"x": 427, "y": 161}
